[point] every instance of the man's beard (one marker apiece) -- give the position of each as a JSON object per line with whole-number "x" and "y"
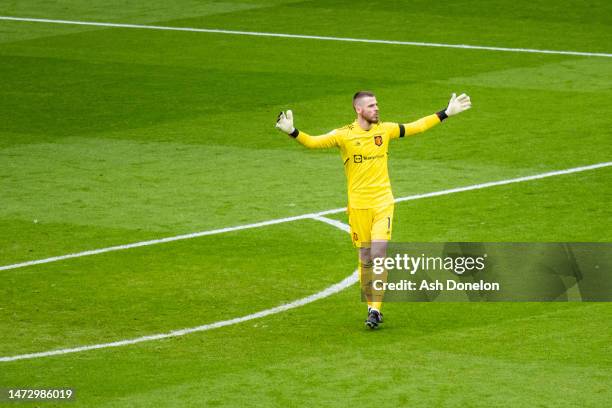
{"x": 371, "y": 120}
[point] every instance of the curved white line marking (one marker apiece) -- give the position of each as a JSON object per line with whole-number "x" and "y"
{"x": 345, "y": 283}
{"x": 326, "y": 292}
{"x": 334, "y": 223}
{"x": 307, "y": 37}
{"x": 303, "y": 216}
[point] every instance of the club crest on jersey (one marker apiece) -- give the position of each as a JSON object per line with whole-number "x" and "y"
{"x": 378, "y": 140}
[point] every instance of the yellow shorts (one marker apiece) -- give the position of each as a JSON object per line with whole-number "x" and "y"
{"x": 370, "y": 224}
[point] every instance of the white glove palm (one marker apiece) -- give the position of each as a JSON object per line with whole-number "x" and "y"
{"x": 458, "y": 104}
{"x": 285, "y": 122}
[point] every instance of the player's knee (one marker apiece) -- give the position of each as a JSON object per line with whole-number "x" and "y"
{"x": 379, "y": 249}
{"x": 378, "y": 253}
{"x": 365, "y": 256}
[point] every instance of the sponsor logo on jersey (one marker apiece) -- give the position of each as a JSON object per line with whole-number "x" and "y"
{"x": 359, "y": 158}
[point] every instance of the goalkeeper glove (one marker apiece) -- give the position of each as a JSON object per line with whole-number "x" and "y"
{"x": 284, "y": 122}
{"x": 458, "y": 104}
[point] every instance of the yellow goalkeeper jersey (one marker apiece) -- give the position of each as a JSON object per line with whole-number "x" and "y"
{"x": 365, "y": 153}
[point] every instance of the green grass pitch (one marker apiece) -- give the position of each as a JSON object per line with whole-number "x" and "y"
{"x": 110, "y": 136}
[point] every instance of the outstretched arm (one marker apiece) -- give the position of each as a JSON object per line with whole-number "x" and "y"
{"x": 284, "y": 123}
{"x": 457, "y": 104}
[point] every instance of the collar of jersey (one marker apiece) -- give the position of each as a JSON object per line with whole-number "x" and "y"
{"x": 357, "y": 127}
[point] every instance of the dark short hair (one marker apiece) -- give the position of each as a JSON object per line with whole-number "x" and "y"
{"x": 362, "y": 94}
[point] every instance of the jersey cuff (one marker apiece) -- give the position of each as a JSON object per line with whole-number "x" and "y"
{"x": 442, "y": 115}
{"x": 402, "y": 130}
{"x": 295, "y": 133}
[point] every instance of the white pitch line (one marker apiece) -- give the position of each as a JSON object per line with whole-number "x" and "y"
{"x": 345, "y": 283}
{"x": 487, "y": 185}
{"x": 335, "y": 223}
{"x": 504, "y": 182}
{"x": 308, "y": 37}
{"x": 304, "y": 216}
{"x": 338, "y": 287}
{"x": 154, "y": 242}
{"x": 348, "y": 281}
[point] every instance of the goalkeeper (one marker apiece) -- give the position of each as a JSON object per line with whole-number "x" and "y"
{"x": 363, "y": 145}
